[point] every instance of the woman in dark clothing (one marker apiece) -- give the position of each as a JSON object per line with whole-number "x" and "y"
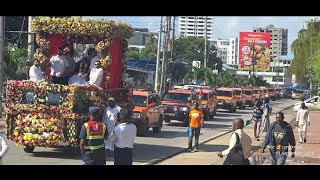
{"x": 81, "y": 72}
{"x": 257, "y": 117}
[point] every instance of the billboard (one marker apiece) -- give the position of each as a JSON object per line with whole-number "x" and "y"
{"x": 254, "y": 47}
{"x": 196, "y": 64}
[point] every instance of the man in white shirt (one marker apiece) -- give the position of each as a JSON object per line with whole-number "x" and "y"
{"x": 93, "y": 58}
{"x": 4, "y": 147}
{"x": 124, "y": 135}
{"x": 245, "y": 141}
{"x": 35, "y": 72}
{"x": 96, "y": 75}
{"x": 59, "y": 68}
{"x": 109, "y": 119}
{"x": 302, "y": 121}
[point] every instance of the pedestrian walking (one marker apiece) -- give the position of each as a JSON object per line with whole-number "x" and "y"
{"x": 240, "y": 138}
{"x": 265, "y": 122}
{"x": 303, "y": 120}
{"x": 4, "y": 147}
{"x": 257, "y": 118}
{"x": 124, "y": 135}
{"x": 92, "y": 137}
{"x": 195, "y": 124}
{"x": 109, "y": 119}
{"x": 279, "y": 137}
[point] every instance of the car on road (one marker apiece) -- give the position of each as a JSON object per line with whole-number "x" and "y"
{"x": 298, "y": 94}
{"x": 148, "y": 111}
{"x": 178, "y": 103}
{"x": 227, "y": 99}
{"x": 241, "y": 104}
{"x": 208, "y": 102}
{"x": 311, "y": 103}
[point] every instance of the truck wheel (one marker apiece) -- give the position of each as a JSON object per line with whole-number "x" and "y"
{"x": 29, "y": 149}
{"x": 158, "y": 128}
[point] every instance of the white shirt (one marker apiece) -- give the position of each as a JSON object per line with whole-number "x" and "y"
{"x": 59, "y": 64}
{"x": 96, "y": 77}
{"x": 302, "y": 116}
{"x": 35, "y": 74}
{"x": 4, "y": 147}
{"x": 110, "y": 116}
{"x": 245, "y": 141}
{"x": 124, "y": 135}
{"x": 93, "y": 62}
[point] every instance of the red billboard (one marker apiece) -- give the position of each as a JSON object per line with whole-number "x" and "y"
{"x": 254, "y": 47}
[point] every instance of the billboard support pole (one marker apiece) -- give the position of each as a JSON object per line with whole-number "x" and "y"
{"x": 253, "y": 60}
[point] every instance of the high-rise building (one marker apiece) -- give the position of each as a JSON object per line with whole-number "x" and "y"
{"x": 142, "y": 37}
{"x": 279, "y": 39}
{"x": 227, "y": 50}
{"x": 194, "y": 26}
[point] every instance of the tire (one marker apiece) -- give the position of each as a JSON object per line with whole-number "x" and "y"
{"x": 167, "y": 120}
{"x": 159, "y": 127}
{"x": 143, "y": 128}
{"x": 29, "y": 149}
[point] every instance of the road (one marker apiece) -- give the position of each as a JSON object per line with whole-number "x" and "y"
{"x": 172, "y": 138}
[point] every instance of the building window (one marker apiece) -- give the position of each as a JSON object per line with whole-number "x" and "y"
{"x": 277, "y": 79}
{"x": 232, "y": 42}
{"x": 232, "y": 52}
{"x": 232, "y": 57}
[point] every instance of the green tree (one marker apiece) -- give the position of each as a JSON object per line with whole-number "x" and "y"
{"x": 149, "y": 52}
{"x": 14, "y": 62}
{"x": 132, "y": 53}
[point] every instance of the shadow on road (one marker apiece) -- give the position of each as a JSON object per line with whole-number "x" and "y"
{"x": 168, "y": 134}
{"x": 151, "y": 152}
{"x": 58, "y": 153}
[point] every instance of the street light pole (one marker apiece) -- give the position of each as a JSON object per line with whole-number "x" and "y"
{"x": 205, "y": 42}
{"x": 158, "y": 58}
{"x": 1, "y": 60}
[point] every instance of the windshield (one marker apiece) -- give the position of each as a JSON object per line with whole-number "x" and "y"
{"x": 256, "y": 91}
{"x": 139, "y": 100}
{"x": 54, "y": 99}
{"x": 176, "y": 97}
{"x": 205, "y": 96}
{"x": 247, "y": 92}
{"x": 224, "y": 93}
{"x": 238, "y": 92}
{"x": 270, "y": 90}
{"x": 28, "y": 98}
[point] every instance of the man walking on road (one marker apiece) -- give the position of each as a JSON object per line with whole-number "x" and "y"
{"x": 196, "y": 122}
{"x": 4, "y": 147}
{"x": 279, "y": 137}
{"x": 302, "y": 121}
{"x": 245, "y": 141}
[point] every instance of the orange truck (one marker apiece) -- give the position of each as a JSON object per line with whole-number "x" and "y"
{"x": 249, "y": 97}
{"x": 178, "y": 104}
{"x": 227, "y": 99}
{"x": 240, "y": 98}
{"x": 208, "y": 102}
{"x": 148, "y": 111}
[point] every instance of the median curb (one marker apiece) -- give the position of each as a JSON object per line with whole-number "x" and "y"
{"x": 158, "y": 160}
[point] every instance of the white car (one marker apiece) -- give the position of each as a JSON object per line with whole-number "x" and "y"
{"x": 311, "y": 103}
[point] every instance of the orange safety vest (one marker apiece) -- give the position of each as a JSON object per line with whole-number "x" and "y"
{"x": 95, "y": 131}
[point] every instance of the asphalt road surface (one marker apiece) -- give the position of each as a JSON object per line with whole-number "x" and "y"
{"x": 172, "y": 138}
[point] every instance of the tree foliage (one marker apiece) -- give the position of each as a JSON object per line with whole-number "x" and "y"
{"x": 15, "y": 62}
{"x": 306, "y": 50}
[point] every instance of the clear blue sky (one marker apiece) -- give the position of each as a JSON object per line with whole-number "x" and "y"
{"x": 228, "y": 26}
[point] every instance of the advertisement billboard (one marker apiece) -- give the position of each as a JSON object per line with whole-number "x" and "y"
{"x": 254, "y": 47}
{"x": 196, "y": 64}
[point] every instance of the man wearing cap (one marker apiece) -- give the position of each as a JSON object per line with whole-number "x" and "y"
{"x": 92, "y": 137}
{"x": 109, "y": 119}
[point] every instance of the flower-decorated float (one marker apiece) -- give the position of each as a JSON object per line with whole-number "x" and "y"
{"x": 45, "y": 115}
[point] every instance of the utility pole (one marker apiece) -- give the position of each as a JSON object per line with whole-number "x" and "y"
{"x": 172, "y": 41}
{"x": 205, "y": 42}
{"x": 30, "y": 39}
{"x": 156, "y": 88}
{"x": 1, "y": 60}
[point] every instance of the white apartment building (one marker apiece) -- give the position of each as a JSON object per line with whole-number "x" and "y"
{"x": 227, "y": 50}
{"x": 278, "y": 74}
{"x": 194, "y": 26}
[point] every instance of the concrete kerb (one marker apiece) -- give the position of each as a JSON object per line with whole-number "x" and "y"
{"x": 158, "y": 160}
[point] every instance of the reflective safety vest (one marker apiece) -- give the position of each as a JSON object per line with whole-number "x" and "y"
{"x": 95, "y": 135}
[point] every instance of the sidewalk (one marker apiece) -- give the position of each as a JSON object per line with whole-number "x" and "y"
{"x": 207, "y": 154}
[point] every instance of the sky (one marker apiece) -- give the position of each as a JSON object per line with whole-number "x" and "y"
{"x": 228, "y": 26}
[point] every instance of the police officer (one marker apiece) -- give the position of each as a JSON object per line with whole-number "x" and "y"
{"x": 92, "y": 137}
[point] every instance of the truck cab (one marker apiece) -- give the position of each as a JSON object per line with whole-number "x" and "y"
{"x": 148, "y": 111}
{"x": 227, "y": 99}
{"x": 249, "y": 97}
{"x": 208, "y": 102}
{"x": 178, "y": 105}
{"x": 240, "y": 98}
